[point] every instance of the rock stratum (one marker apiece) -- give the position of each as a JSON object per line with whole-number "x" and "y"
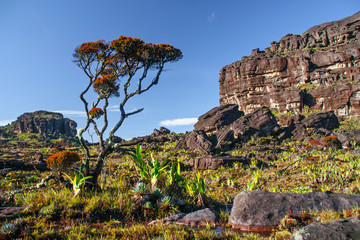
{"x": 319, "y": 69}
{"x": 45, "y": 124}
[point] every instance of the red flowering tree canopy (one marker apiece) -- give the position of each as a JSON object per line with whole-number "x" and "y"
{"x": 105, "y": 62}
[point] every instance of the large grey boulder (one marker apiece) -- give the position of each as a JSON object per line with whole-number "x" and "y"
{"x": 262, "y": 211}
{"x": 344, "y": 229}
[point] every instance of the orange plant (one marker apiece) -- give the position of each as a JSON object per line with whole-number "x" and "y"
{"x": 96, "y": 112}
{"x": 62, "y": 160}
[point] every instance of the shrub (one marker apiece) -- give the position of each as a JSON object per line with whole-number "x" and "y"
{"x": 62, "y": 160}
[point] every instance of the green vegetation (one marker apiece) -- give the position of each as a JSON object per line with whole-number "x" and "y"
{"x": 140, "y": 185}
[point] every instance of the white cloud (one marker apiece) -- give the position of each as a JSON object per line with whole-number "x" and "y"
{"x": 72, "y": 113}
{"x": 114, "y": 108}
{"x": 211, "y": 17}
{"x": 5, "y": 122}
{"x": 178, "y": 122}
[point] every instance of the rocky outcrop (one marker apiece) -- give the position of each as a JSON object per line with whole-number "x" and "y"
{"x": 320, "y": 123}
{"x": 261, "y": 122}
{"x": 319, "y": 69}
{"x": 196, "y": 140}
{"x": 45, "y": 124}
{"x": 262, "y": 211}
{"x": 158, "y": 136}
{"x": 218, "y": 118}
{"x": 339, "y": 229}
{"x": 215, "y": 161}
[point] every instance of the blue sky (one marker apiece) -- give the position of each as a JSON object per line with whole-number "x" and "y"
{"x": 38, "y": 38}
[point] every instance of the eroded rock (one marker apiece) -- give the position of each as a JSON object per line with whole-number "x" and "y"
{"x": 261, "y": 122}
{"x": 45, "y": 124}
{"x": 196, "y": 140}
{"x": 262, "y": 211}
{"x": 218, "y": 118}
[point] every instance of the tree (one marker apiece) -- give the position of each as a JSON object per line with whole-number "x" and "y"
{"x": 112, "y": 70}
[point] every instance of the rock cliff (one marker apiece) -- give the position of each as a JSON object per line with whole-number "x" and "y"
{"x": 45, "y": 123}
{"x": 319, "y": 69}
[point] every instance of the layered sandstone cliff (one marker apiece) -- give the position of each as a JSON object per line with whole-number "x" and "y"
{"x": 319, "y": 68}
{"x": 45, "y": 124}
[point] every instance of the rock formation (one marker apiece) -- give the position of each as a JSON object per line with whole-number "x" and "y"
{"x": 262, "y": 211}
{"x": 45, "y": 124}
{"x": 319, "y": 69}
{"x": 348, "y": 228}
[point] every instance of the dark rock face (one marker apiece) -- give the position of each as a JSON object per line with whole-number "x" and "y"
{"x": 45, "y": 123}
{"x": 262, "y": 211}
{"x": 339, "y": 229}
{"x": 319, "y": 68}
{"x": 218, "y": 118}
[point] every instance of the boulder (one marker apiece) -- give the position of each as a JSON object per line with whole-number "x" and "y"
{"x": 262, "y": 211}
{"x": 339, "y": 229}
{"x": 196, "y": 140}
{"x": 161, "y": 131}
{"x": 194, "y": 219}
{"x": 326, "y": 120}
{"x": 260, "y": 122}
{"x": 224, "y": 138}
{"x": 350, "y": 138}
{"x": 218, "y": 118}
{"x": 320, "y": 123}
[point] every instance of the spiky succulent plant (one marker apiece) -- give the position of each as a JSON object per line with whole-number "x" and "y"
{"x": 140, "y": 193}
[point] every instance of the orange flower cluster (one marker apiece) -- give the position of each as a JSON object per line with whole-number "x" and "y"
{"x": 92, "y": 47}
{"x": 127, "y": 46}
{"x": 106, "y": 85}
{"x": 96, "y": 112}
{"x": 147, "y": 53}
{"x": 62, "y": 160}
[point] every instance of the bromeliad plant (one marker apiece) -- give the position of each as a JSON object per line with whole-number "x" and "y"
{"x": 174, "y": 175}
{"x": 196, "y": 188}
{"x": 116, "y": 69}
{"x": 149, "y": 170}
{"x": 77, "y": 182}
{"x": 139, "y": 158}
